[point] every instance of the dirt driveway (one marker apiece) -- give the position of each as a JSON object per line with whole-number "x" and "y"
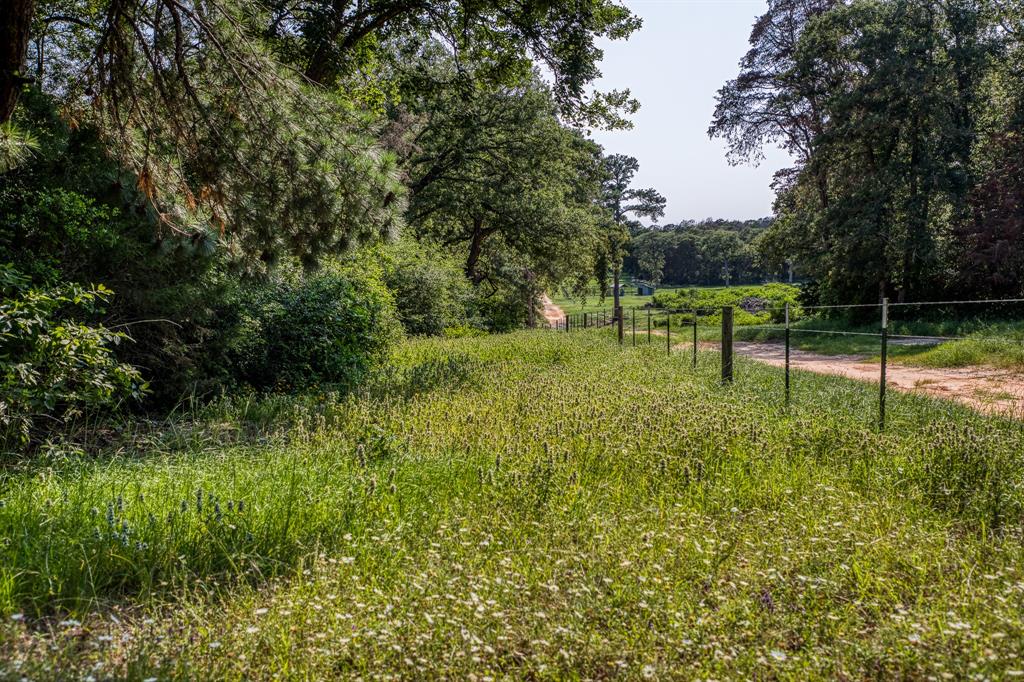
{"x": 552, "y": 313}
{"x": 984, "y": 388}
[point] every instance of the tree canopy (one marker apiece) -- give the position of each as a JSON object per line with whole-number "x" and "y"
{"x": 891, "y": 110}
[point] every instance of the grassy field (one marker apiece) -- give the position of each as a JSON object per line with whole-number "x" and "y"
{"x": 593, "y": 303}
{"x": 527, "y": 506}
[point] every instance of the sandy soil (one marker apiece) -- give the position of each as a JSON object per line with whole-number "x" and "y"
{"x": 552, "y": 313}
{"x": 984, "y": 388}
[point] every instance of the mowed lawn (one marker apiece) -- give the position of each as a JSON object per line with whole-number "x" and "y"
{"x": 527, "y": 506}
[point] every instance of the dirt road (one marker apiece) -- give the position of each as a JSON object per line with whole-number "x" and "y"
{"x": 984, "y": 388}
{"x": 552, "y": 313}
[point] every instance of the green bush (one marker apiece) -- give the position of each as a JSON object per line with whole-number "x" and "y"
{"x": 329, "y": 328}
{"x": 431, "y": 291}
{"x": 53, "y": 367}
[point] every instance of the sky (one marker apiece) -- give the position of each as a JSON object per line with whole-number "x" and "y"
{"x": 674, "y": 65}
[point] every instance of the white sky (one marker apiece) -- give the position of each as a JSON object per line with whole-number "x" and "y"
{"x": 673, "y": 65}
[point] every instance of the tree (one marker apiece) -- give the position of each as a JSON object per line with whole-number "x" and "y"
{"x": 876, "y": 102}
{"x": 624, "y": 205}
{"x": 232, "y": 147}
{"x": 329, "y": 39}
{"x": 15, "y": 30}
{"x": 495, "y": 175}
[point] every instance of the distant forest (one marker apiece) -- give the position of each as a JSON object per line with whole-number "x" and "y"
{"x": 712, "y": 251}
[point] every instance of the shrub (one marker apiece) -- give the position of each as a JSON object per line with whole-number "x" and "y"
{"x": 432, "y": 294}
{"x": 298, "y": 331}
{"x": 52, "y": 366}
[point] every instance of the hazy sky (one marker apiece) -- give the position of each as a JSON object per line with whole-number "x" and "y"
{"x": 685, "y": 51}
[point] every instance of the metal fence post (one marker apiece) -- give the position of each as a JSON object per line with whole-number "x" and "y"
{"x": 727, "y": 344}
{"x": 787, "y": 353}
{"x": 632, "y": 316}
{"x": 668, "y": 332}
{"x": 618, "y": 317}
{"x": 885, "y": 351}
{"x": 695, "y": 338}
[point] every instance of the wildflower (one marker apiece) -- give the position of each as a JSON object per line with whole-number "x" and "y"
{"x": 778, "y": 655}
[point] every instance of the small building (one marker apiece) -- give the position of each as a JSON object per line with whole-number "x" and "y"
{"x": 644, "y": 289}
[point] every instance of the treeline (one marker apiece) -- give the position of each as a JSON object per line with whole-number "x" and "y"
{"x": 709, "y": 252}
{"x": 906, "y": 118}
{"x": 198, "y": 197}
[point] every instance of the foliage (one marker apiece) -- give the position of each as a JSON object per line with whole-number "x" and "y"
{"x": 624, "y": 206}
{"x": 331, "y": 40}
{"x": 16, "y": 147}
{"x": 73, "y": 214}
{"x": 895, "y": 114}
{"x": 296, "y": 533}
{"x": 228, "y": 146}
{"x": 497, "y": 178}
{"x": 432, "y": 295}
{"x": 301, "y": 331}
{"x": 708, "y": 252}
{"x": 53, "y": 366}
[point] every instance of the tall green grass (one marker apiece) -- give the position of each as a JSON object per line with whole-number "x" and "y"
{"x": 529, "y": 506}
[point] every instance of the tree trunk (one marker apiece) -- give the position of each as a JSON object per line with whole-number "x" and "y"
{"x": 476, "y": 245}
{"x": 15, "y": 27}
{"x": 616, "y": 271}
{"x": 531, "y": 299}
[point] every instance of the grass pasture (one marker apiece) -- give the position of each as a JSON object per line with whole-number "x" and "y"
{"x": 527, "y": 506}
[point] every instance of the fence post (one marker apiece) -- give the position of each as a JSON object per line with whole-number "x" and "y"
{"x": 632, "y": 316}
{"x": 648, "y": 325}
{"x": 787, "y": 353}
{"x": 885, "y": 350}
{"x": 618, "y": 317}
{"x": 727, "y": 344}
{"x": 668, "y": 331}
{"x": 695, "y": 338}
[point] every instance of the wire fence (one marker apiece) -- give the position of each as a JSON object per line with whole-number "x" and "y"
{"x": 645, "y": 323}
